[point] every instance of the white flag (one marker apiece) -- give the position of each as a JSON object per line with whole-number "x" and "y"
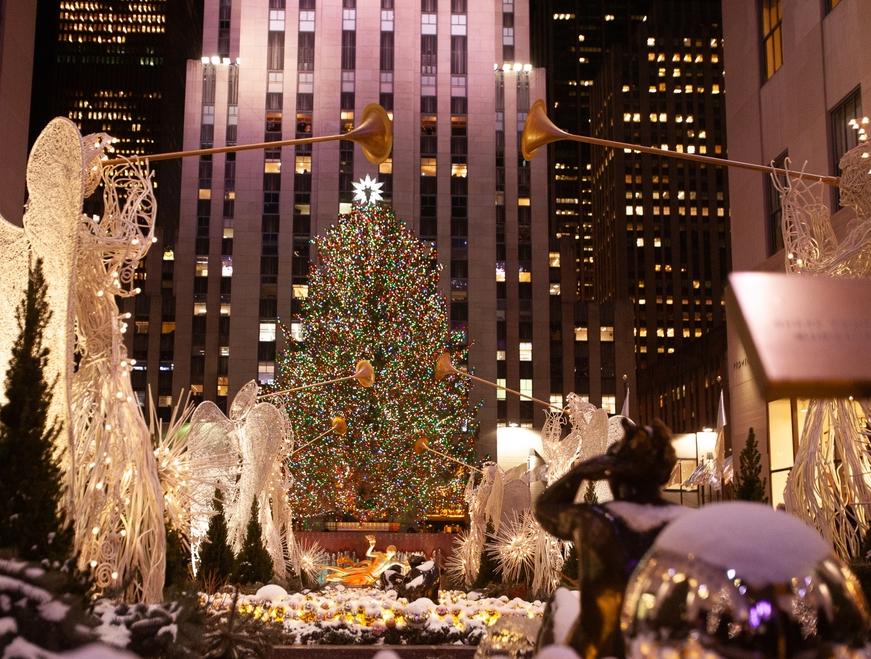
{"x": 720, "y": 446}
{"x": 624, "y": 411}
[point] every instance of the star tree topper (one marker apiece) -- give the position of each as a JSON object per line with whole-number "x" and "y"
{"x": 367, "y": 191}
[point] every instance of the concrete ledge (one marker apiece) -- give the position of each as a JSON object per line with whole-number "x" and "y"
{"x": 368, "y": 651}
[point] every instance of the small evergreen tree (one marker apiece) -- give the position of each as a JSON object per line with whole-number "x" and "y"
{"x": 30, "y": 476}
{"x": 749, "y": 485}
{"x": 216, "y": 558}
{"x": 254, "y": 562}
{"x": 178, "y": 560}
{"x": 488, "y": 571}
{"x": 590, "y": 495}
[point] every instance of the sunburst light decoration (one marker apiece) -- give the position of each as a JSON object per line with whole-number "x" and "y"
{"x": 513, "y": 547}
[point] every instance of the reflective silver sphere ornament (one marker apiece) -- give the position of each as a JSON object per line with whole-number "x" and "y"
{"x": 742, "y": 580}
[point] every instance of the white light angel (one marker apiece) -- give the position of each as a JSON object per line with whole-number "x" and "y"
{"x": 828, "y": 485}
{"x": 259, "y": 437}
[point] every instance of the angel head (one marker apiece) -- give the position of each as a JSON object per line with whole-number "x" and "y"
{"x": 635, "y": 466}
{"x": 855, "y": 184}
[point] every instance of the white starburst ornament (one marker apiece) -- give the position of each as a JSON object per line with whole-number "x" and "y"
{"x": 367, "y": 191}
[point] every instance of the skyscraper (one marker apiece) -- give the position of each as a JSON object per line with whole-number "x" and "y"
{"x": 457, "y": 79}
{"x": 651, "y": 233}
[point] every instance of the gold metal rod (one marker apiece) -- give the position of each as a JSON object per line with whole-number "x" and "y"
{"x": 453, "y": 459}
{"x": 499, "y": 386}
{"x": 309, "y": 386}
{"x": 172, "y": 155}
{"x": 708, "y": 160}
{"x": 309, "y": 443}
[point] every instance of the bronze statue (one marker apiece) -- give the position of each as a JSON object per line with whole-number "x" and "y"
{"x": 611, "y": 538}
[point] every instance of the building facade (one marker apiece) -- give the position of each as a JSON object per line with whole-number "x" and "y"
{"x": 17, "y": 22}
{"x": 777, "y": 52}
{"x": 457, "y": 80}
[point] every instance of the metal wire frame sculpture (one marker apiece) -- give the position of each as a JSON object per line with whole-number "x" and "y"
{"x": 254, "y": 443}
{"x": 828, "y": 485}
{"x": 119, "y": 510}
{"x": 113, "y": 497}
{"x": 50, "y": 231}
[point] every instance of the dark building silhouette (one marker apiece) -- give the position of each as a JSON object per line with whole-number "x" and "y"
{"x": 118, "y": 67}
{"x": 650, "y": 234}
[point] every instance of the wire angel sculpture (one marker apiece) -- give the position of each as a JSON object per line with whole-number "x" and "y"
{"x": 485, "y": 506}
{"x": 828, "y": 484}
{"x": 113, "y": 498}
{"x": 259, "y": 439}
{"x": 594, "y": 432}
{"x": 50, "y": 231}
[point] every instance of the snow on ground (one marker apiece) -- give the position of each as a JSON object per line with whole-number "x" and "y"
{"x": 53, "y": 611}
{"x": 111, "y": 629}
{"x": 417, "y": 581}
{"x": 763, "y": 546}
{"x": 21, "y": 648}
{"x": 12, "y": 585}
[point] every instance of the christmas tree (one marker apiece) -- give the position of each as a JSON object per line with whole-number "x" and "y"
{"x": 374, "y": 295}
{"x": 749, "y": 486}
{"x": 217, "y": 562}
{"x": 254, "y": 562}
{"x": 30, "y": 477}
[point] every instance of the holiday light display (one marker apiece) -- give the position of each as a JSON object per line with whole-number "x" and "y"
{"x": 374, "y": 296}
{"x": 364, "y": 615}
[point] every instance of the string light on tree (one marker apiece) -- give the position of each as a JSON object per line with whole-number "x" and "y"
{"x": 374, "y": 295}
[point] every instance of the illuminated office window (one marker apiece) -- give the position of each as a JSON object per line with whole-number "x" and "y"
{"x": 772, "y": 36}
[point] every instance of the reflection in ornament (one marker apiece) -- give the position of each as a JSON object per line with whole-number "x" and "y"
{"x": 510, "y": 636}
{"x": 740, "y": 579}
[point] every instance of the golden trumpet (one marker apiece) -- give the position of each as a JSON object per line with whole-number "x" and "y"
{"x": 421, "y": 444}
{"x": 445, "y": 367}
{"x": 539, "y": 131}
{"x": 374, "y": 134}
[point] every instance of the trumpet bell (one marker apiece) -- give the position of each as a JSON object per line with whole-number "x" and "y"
{"x": 374, "y": 134}
{"x": 539, "y": 131}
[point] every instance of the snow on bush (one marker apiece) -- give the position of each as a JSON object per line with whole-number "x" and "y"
{"x": 339, "y": 615}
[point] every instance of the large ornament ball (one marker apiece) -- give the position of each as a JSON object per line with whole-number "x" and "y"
{"x": 741, "y": 579}
{"x": 271, "y": 593}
